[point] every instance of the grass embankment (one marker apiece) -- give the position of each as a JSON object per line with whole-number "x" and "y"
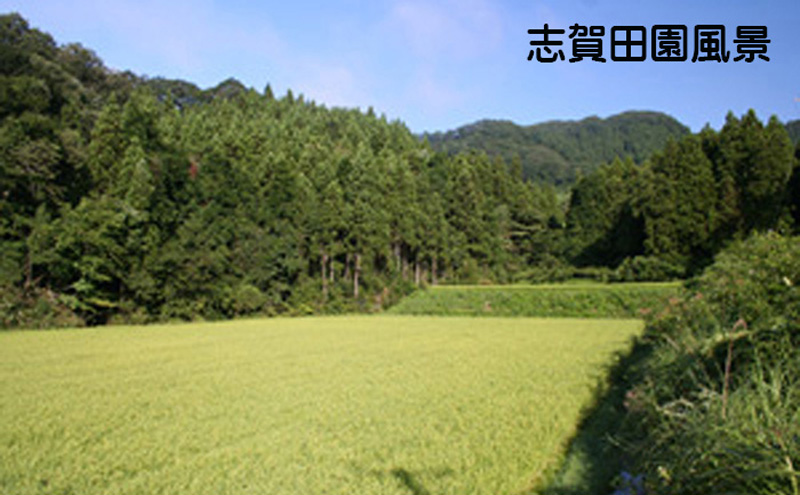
{"x": 628, "y": 300}
{"x": 367, "y": 405}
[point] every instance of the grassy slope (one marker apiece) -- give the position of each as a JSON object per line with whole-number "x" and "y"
{"x": 364, "y": 405}
{"x": 628, "y": 300}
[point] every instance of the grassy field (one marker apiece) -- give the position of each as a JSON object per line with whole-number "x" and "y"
{"x": 338, "y": 405}
{"x": 580, "y": 300}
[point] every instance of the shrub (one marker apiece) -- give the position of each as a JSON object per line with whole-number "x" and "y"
{"x": 246, "y": 299}
{"x": 36, "y": 308}
{"x": 599, "y": 273}
{"x": 715, "y": 407}
{"x": 647, "y": 269}
{"x": 549, "y": 269}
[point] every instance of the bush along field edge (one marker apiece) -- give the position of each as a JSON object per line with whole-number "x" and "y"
{"x": 708, "y": 401}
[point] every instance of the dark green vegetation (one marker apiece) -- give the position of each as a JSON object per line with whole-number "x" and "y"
{"x": 631, "y": 300}
{"x": 668, "y": 217}
{"x": 559, "y": 152}
{"x": 134, "y": 200}
{"x": 715, "y": 406}
{"x": 793, "y": 127}
{"x": 709, "y": 400}
{"x": 137, "y": 200}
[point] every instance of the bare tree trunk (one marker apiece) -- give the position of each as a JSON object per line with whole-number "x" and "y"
{"x": 332, "y": 269}
{"x": 405, "y": 268}
{"x": 356, "y": 273}
{"x": 398, "y": 257}
{"x": 433, "y": 270}
{"x": 347, "y": 266}
{"x": 324, "y": 268}
{"x": 28, "y": 269}
{"x": 416, "y": 271}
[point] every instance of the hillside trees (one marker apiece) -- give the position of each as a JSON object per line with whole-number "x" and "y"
{"x": 793, "y": 190}
{"x": 142, "y": 200}
{"x": 758, "y": 160}
{"x": 136, "y": 199}
{"x": 678, "y": 207}
{"x": 687, "y": 202}
{"x": 558, "y": 152}
{"x": 603, "y": 223}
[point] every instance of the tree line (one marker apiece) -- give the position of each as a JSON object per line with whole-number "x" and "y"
{"x": 559, "y": 152}
{"x": 130, "y": 199}
{"x": 671, "y": 215}
{"x": 125, "y": 198}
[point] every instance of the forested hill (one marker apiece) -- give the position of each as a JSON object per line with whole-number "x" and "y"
{"x": 555, "y": 152}
{"x": 124, "y": 198}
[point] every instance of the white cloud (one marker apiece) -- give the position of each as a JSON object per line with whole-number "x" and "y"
{"x": 460, "y": 29}
{"x": 435, "y": 95}
{"x": 333, "y": 85}
{"x": 437, "y": 40}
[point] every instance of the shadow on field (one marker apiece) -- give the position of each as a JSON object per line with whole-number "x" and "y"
{"x": 593, "y": 459}
{"x": 411, "y": 481}
{"x": 408, "y": 480}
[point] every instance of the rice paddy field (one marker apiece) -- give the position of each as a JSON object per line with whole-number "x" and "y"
{"x": 333, "y": 405}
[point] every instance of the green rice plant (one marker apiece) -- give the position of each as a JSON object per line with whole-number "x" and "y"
{"x": 338, "y": 405}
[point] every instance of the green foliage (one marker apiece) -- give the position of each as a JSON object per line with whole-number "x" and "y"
{"x": 793, "y": 191}
{"x": 154, "y": 199}
{"x": 548, "y": 269}
{"x": 35, "y": 309}
{"x": 91, "y": 256}
{"x": 603, "y": 226}
{"x": 793, "y": 128}
{"x": 760, "y": 161}
{"x": 559, "y": 152}
{"x": 714, "y": 407}
{"x": 168, "y": 201}
{"x": 670, "y": 216}
{"x": 647, "y": 269}
{"x": 679, "y": 204}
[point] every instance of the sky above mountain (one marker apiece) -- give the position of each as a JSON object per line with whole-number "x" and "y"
{"x": 439, "y": 64}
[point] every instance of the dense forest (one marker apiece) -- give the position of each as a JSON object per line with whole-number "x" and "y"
{"x": 132, "y": 199}
{"x": 124, "y": 198}
{"x": 674, "y": 213}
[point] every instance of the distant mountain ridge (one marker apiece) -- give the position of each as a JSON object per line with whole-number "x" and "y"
{"x": 557, "y": 151}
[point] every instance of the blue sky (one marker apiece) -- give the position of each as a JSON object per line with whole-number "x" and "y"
{"x": 437, "y": 64}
